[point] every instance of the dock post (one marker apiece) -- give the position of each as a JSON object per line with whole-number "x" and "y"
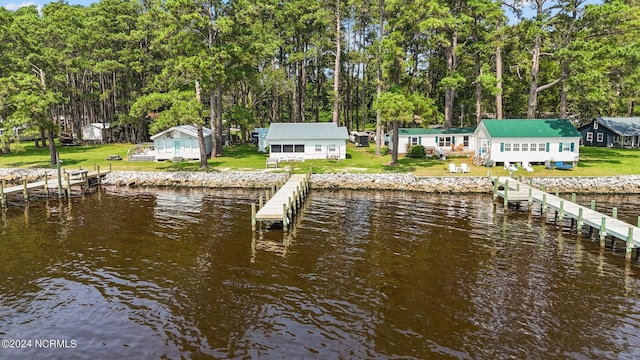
{"x": 253, "y": 215}
{"x": 284, "y": 217}
{"x": 530, "y": 197}
{"x": 573, "y": 197}
{"x": 603, "y": 231}
{"x": 25, "y": 190}
{"x": 99, "y": 177}
{"x": 46, "y": 185}
{"x": 561, "y": 212}
{"x": 260, "y": 202}
{"x": 517, "y": 186}
{"x": 68, "y": 179}
{"x": 593, "y": 204}
{"x": 544, "y": 203}
{"x": 557, "y": 191}
{"x": 580, "y": 221}
{"x": 86, "y": 182}
{"x": 3, "y": 199}
{"x": 495, "y": 188}
{"x": 266, "y": 195}
{"x": 629, "y": 244}
{"x": 506, "y": 193}
{"x": 614, "y": 213}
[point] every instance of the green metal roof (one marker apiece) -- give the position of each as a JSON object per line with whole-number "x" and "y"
{"x": 515, "y": 128}
{"x": 306, "y": 131}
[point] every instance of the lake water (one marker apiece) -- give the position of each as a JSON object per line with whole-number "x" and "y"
{"x": 152, "y": 274}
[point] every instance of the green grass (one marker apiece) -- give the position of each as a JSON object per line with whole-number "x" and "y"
{"x": 593, "y": 161}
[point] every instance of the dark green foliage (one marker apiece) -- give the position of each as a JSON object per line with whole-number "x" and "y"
{"x": 416, "y": 152}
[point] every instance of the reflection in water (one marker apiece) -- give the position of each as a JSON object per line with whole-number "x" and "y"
{"x": 170, "y": 274}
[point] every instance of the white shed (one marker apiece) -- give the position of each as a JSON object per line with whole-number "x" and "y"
{"x": 528, "y": 140}
{"x": 302, "y": 141}
{"x": 180, "y": 142}
{"x": 95, "y": 132}
{"x": 434, "y": 139}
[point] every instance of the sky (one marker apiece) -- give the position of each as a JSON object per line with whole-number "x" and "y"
{"x": 14, "y": 4}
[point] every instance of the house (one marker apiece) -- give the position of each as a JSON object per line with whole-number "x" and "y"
{"x": 95, "y": 132}
{"x": 612, "y": 132}
{"x": 302, "y": 141}
{"x": 180, "y": 142}
{"x": 434, "y": 139}
{"x": 529, "y": 141}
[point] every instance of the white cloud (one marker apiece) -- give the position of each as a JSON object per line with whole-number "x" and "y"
{"x": 12, "y": 6}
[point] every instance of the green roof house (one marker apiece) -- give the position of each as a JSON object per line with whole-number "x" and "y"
{"x": 301, "y": 141}
{"x": 527, "y": 140}
{"x": 434, "y": 139}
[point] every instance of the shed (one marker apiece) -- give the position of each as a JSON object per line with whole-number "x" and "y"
{"x": 434, "y": 139}
{"x": 527, "y": 140}
{"x": 612, "y": 132}
{"x": 302, "y": 141}
{"x": 180, "y": 142}
{"x": 95, "y": 132}
{"x": 258, "y": 137}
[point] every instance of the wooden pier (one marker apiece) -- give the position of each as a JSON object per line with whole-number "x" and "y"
{"x": 285, "y": 202}
{"x": 512, "y": 190}
{"x": 63, "y": 185}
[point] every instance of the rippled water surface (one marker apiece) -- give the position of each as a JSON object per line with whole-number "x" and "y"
{"x": 147, "y": 274}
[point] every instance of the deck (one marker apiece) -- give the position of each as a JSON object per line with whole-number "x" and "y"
{"x": 283, "y": 204}
{"x": 517, "y": 191}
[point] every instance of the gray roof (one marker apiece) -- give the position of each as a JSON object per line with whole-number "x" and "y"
{"x": 185, "y": 129}
{"x": 625, "y": 126}
{"x": 306, "y": 131}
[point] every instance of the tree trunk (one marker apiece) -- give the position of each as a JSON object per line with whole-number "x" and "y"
{"x": 379, "y": 127}
{"x": 450, "y": 93}
{"x": 201, "y": 145}
{"x": 336, "y": 69}
{"x": 499, "y": 114}
{"x": 533, "y": 86}
{"x": 394, "y": 153}
{"x": 478, "y": 90}
{"x": 52, "y": 147}
{"x": 564, "y": 93}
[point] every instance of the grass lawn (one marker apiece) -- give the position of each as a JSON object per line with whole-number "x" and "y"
{"x": 593, "y": 161}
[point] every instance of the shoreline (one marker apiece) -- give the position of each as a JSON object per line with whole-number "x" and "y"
{"x": 627, "y": 184}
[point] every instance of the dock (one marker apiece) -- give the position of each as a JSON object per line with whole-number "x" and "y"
{"x": 63, "y": 185}
{"x": 285, "y": 202}
{"x": 512, "y": 190}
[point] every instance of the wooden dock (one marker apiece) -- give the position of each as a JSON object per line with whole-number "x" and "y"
{"x": 512, "y": 190}
{"x": 68, "y": 179}
{"x": 285, "y": 202}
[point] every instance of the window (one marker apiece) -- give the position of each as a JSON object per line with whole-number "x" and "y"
{"x": 507, "y": 147}
{"x": 318, "y": 148}
{"x": 600, "y": 137}
{"x": 414, "y": 141}
{"x": 595, "y": 125}
{"x": 589, "y": 136}
{"x": 276, "y": 148}
{"x": 298, "y": 148}
{"x": 287, "y": 148}
{"x": 332, "y": 148}
{"x": 533, "y": 147}
{"x": 445, "y": 141}
{"x": 465, "y": 141}
{"x": 566, "y": 147}
{"x": 525, "y": 147}
{"x": 516, "y": 147}
{"x": 542, "y": 147}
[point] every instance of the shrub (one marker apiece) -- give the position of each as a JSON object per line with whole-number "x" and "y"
{"x": 416, "y": 152}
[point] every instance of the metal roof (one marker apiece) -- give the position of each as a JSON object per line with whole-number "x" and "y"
{"x": 306, "y": 131}
{"x": 625, "y": 126}
{"x": 518, "y": 128}
{"x": 185, "y": 129}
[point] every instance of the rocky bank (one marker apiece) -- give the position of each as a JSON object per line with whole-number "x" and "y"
{"x": 401, "y": 182}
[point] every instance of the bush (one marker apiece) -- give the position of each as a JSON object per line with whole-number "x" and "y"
{"x": 416, "y": 152}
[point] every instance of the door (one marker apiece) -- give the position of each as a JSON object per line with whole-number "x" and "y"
{"x": 177, "y": 147}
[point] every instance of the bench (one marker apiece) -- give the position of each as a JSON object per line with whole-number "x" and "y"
{"x": 272, "y": 162}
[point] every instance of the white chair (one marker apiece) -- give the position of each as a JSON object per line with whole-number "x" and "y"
{"x": 464, "y": 168}
{"x": 526, "y": 166}
{"x": 508, "y": 166}
{"x": 453, "y": 168}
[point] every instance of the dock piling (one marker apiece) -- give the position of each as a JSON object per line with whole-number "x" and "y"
{"x": 629, "y": 244}
{"x": 25, "y": 190}
{"x": 3, "y": 199}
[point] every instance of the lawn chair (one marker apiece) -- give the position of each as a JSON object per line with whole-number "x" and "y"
{"x": 464, "y": 168}
{"x": 453, "y": 168}
{"x": 526, "y": 166}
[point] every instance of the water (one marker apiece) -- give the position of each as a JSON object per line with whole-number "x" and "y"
{"x": 153, "y": 274}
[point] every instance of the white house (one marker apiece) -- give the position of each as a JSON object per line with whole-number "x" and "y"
{"x": 533, "y": 140}
{"x": 302, "y": 141}
{"x": 180, "y": 142}
{"x": 434, "y": 139}
{"x": 95, "y": 132}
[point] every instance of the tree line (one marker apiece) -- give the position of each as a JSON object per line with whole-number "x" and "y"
{"x": 146, "y": 65}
